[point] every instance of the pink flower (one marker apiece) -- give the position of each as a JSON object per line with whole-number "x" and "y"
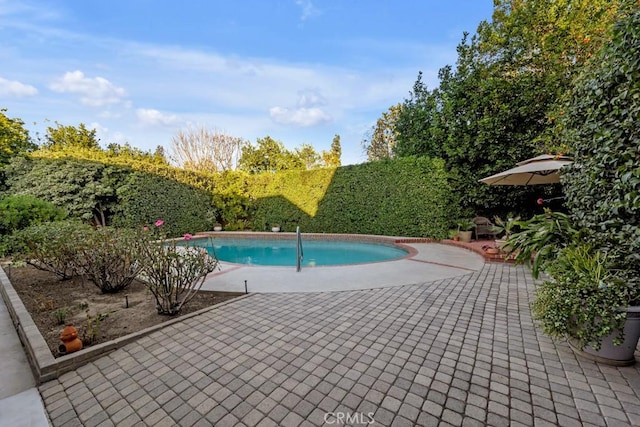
{"x": 145, "y": 228}
{"x": 159, "y": 223}
{"x": 188, "y": 236}
{"x": 540, "y": 201}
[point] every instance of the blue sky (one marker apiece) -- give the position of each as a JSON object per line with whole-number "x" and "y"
{"x": 300, "y": 71}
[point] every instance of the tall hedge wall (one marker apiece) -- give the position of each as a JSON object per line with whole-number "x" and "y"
{"x": 144, "y": 198}
{"x": 115, "y": 194}
{"x": 403, "y": 197}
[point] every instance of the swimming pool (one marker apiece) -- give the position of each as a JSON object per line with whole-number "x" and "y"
{"x": 282, "y": 252}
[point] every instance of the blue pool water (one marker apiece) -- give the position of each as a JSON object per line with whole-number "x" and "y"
{"x": 283, "y": 252}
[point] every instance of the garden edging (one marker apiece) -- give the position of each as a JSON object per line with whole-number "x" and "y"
{"x": 45, "y": 367}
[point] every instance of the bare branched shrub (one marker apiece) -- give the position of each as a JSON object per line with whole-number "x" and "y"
{"x": 174, "y": 274}
{"x": 204, "y": 149}
{"x": 110, "y": 259}
{"x": 54, "y": 246}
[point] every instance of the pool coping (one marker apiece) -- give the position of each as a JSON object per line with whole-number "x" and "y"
{"x": 287, "y": 235}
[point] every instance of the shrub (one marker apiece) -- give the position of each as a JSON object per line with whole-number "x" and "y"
{"x": 22, "y": 210}
{"x": 144, "y": 197}
{"x": 405, "y": 197}
{"x": 601, "y": 125}
{"x": 174, "y": 273}
{"x": 583, "y": 297}
{"x": 54, "y": 246}
{"x": 540, "y": 239}
{"x": 110, "y": 258}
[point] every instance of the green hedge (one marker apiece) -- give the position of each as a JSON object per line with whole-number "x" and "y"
{"x": 116, "y": 194}
{"x": 403, "y": 197}
{"x": 601, "y": 125}
{"x": 23, "y": 210}
{"x": 144, "y": 198}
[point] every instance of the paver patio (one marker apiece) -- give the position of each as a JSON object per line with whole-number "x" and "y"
{"x": 461, "y": 351}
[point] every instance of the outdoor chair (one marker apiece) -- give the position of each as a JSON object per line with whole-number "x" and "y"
{"x": 484, "y": 227}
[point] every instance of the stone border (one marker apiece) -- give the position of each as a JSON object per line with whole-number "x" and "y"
{"x": 499, "y": 258}
{"x": 45, "y": 367}
{"x": 284, "y": 235}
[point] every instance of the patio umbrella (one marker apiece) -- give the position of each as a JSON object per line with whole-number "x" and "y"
{"x": 538, "y": 170}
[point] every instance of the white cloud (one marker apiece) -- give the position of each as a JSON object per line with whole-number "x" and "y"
{"x": 94, "y": 92}
{"x": 303, "y": 117}
{"x": 15, "y": 88}
{"x": 98, "y": 127}
{"x": 310, "y": 98}
{"x": 308, "y": 9}
{"x": 151, "y": 117}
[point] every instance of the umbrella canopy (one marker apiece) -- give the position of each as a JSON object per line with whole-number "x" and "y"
{"x": 538, "y": 170}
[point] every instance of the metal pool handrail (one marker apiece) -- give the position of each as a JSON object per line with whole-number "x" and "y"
{"x": 299, "y": 252}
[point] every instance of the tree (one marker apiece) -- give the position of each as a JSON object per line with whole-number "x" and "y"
{"x": 14, "y": 138}
{"x": 133, "y": 153}
{"x": 382, "y": 139}
{"x": 206, "y": 150}
{"x": 84, "y": 189}
{"x": 496, "y": 106}
{"x": 417, "y": 127}
{"x": 331, "y": 158}
{"x": 268, "y": 155}
{"x": 62, "y": 137}
{"x": 308, "y": 156}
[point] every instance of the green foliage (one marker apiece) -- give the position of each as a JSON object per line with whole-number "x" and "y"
{"x": 54, "y": 246}
{"x": 143, "y": 163}
{"x": 143, "y": 198}
{"x": 506, "y": 227}
{"x": 497, "y": 106}
{"x": 583, "y": 298}
{"x": 84, "y": 189}
{"x": 92, "y": 328}
{"x": 134, "y": 154}
{"x": 14, "y": 138}
{"x": 174, "y": 273}
{"x": 232, "y": 204}
{"x": 416, "y": 127}
{"x": 331, "y": 158}
{"x": 106, "y": 193}
{"x": 408, "y": 197}
{"x": 61, "y": 137}
{"x": 601, "y": 126}
{"x": 541, "y": 239}
{"x": 60, "y": 314}
{"x": 355, "y": 199}
{"x": 110, "y": 257}
{"x": 466, "y": 224}
{"x": 22, "y": 210}
{"x": 381, "y": 141}
{"x": 268, "y": 156}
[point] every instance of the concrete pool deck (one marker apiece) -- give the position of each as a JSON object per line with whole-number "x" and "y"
{"x": 458, "y": 351}
{"x": 462, "y": 351}
{"x": 427, "y": 262}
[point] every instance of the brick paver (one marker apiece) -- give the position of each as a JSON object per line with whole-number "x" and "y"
{"x": 461, "y": 351}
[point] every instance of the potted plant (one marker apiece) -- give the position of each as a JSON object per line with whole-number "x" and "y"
{"x": 465, "y": 229}
{"x": 454, "y": 234}
{"x": 217, "y": 227}
{"x": 275, "y": 228}
{"x": 584, "y": 298}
